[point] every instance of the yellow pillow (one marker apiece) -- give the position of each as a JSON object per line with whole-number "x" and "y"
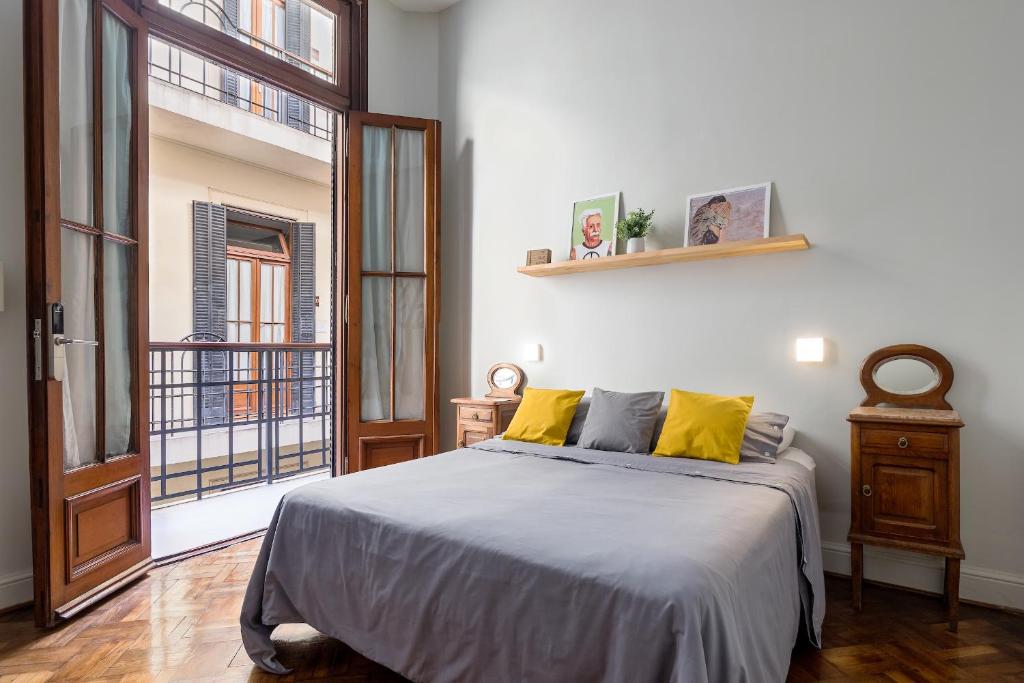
{"x": 544, "y": 416}
{"x": 704, "y": 426}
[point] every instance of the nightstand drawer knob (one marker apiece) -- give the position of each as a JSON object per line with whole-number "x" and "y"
{"x": 903, "y": 442}
{"x": 462, "y": 444}
{"x": 866, "y": 489}
{"x": 476, "y": 416}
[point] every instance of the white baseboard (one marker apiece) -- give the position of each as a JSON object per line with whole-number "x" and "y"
{"x": 15, "y": 589}
{"x": 925, "y": 573}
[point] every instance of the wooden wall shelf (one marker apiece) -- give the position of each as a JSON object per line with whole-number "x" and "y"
{"x": 769, "y": 245}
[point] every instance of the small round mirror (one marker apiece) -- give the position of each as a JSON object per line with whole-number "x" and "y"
{"x": 504, "y": 378}
{"x": 906, "y": 375}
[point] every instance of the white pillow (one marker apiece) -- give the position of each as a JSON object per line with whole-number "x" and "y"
{"x": 788, "y": 434}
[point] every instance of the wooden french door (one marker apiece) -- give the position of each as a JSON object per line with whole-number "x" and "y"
{"x": 258, "y": 311}
{"x": 87, "y": 173}
{"x": 392, "y": 306}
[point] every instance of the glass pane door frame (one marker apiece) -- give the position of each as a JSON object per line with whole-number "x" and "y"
{"x": 108, "y": 239}
{"x": 365, "y": 440}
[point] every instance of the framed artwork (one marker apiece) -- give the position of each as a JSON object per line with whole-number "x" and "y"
{"x": 728, "y": 215}
{"x": 593, "y": 227}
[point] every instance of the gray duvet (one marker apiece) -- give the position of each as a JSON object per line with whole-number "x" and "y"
{"x": 511, "y": 561}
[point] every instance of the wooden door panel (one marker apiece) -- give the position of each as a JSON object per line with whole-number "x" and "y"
{"x": 906, "y": 496}
{"x": 102, "y": 525}
{"x": 378, "y": 451}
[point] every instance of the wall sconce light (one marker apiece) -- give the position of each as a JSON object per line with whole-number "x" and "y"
{"x": 533, "y": 353}
{"x": 810, "y": 350}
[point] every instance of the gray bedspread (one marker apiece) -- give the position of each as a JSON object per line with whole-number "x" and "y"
{"x": 511, "y": 561}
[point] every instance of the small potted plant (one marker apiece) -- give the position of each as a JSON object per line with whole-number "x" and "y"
{"x": 634, "y": 228}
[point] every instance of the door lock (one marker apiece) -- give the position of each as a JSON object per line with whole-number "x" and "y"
{"x": 58, "y": 358}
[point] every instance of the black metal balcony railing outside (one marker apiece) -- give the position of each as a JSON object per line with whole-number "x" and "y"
{"x": 189, "y": 71}
{"x": 216, "y": 391}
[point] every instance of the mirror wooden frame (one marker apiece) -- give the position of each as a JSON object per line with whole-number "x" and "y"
{"x": 933, "y": 397}
{"x": 498, "y": 392}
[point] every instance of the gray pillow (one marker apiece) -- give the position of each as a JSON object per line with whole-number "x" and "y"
{"x": 576, "y": 427}
{"x": 762, "y": 438}
{"x": 621, "y": 422}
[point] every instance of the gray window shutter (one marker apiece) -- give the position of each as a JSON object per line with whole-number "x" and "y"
{"x": 303, "y": 285}
{"x": 296, "y": 40}
{"x": 209, "y": 301}
{"x": 229, "y": 79}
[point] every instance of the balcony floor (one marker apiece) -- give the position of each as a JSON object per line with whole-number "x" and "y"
{"x": 177, "y": 529}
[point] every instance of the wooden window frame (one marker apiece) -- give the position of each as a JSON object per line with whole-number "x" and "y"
{"x": 348, "y": 92}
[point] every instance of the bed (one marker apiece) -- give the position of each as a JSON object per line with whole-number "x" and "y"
{"x": 512, "y": 561}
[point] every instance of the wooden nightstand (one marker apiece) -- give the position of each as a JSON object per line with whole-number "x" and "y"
{"x": 905, "y": 472}
{"x": 477, "y": 419}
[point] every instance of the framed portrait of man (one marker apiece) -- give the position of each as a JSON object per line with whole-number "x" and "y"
{"x": 593, "y": 227}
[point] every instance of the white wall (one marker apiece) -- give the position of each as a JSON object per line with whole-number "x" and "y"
{"x": 15, "y": 540}
{"x": 403, "y": 54}
{"x": 892, "y": 133}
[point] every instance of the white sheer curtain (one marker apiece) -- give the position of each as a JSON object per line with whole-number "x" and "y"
{"x": 375, "y": 382}
{"x": 410, "y": 301}
{"x": 77, "y": 256}
{"x": 117, "y": 127}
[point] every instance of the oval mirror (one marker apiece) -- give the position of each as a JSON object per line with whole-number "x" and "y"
{"x": 906, "y": 375}
{"x": 504, "y": 378}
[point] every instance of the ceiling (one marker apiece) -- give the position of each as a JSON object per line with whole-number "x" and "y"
{"x": 423, "y": 5}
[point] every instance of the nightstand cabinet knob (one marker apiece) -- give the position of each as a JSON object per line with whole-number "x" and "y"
{"x": 866, "y": 489}
{"x": 462, "y": 444}
{"x": 903, "y": 442}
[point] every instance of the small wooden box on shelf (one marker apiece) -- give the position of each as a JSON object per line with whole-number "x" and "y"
{"x": 478, "y": 419}
{"x": 905, "y": 469}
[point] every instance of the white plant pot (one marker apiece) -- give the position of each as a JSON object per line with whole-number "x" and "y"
{"x": 634, "y": 245}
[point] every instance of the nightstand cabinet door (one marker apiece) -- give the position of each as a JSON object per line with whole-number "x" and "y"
{"x": 905, "y": 496}
{"x": 468, "y": 436}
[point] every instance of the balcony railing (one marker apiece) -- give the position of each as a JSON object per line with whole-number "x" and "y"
{"x": 189, "y": 71}
{"x": 227, "y": 415}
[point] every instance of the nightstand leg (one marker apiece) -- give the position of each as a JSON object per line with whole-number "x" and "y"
{"x": 953, "y": 593}
{"x": 856, "y": 572}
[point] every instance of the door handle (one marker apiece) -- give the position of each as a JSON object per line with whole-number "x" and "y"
{"x": 64, "y": 341}
{"x": 866, "y": 489}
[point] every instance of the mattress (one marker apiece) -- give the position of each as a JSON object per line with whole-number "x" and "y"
{"x": 518, "y": 562}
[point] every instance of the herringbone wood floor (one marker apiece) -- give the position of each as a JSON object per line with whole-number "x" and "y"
{"x": 181, "y": 623}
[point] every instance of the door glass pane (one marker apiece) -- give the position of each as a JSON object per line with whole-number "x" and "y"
{"x": 244, "y": 290}
{"x": 409, "y": 357}
{"x": 232, "y": 291}
{"x": 376, "y": 198}
{"x": 279, "y": 295}
{"x": 78, "y": 271}
{"x": 266, "y": 296}
{"x": 409, "y": 200}
{"x": 117, "y": 347}
{"x": 232, "y": 332}
{"x": 316, "y": 27}
{"x": 117, "y": 125}
{"x": 75, "y": 27}
{"x": 375, "y": 373}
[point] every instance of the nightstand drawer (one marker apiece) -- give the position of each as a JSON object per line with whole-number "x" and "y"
{"x": 476, "y": 414}
{"x": 900, "y": 440}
